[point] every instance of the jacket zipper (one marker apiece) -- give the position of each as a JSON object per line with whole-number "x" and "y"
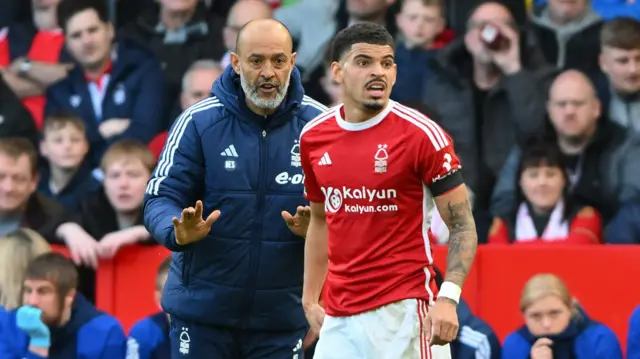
{"x": 255, "y": 252}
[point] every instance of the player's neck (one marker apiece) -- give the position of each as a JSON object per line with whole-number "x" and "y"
{"x": 354, "y": 114}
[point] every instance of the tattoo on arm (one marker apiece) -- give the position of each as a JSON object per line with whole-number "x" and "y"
{"x": 463, "y": 241}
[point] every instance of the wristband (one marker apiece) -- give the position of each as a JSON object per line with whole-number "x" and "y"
{"x": 40, "y": 342}
{"x": 450, "y": 290}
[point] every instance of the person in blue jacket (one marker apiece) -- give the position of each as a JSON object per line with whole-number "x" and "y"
{"x": 149, "y": 338}
{"x": 234, "y": 290}
{"x": 55, "y": 321}
{"x": 117, "y": 85}
{"x": 633, "y": 337}
{"x": 556, "y": 327}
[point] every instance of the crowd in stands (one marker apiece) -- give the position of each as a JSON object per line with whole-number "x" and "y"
{"x": 548, "y": 134}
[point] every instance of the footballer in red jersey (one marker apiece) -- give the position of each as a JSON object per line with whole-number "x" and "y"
{"x": 374, "y": 171}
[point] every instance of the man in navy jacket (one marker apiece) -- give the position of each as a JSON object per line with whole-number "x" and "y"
{"x": 55, "y": 322}
{"x": 117, "y": 87}
{"x": 234, "y": 289}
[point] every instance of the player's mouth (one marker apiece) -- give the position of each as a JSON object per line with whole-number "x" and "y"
{"x": 376, "y": 88}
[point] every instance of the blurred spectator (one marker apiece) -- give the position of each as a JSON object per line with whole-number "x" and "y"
{"x": 127, "y": 166}
{"x": 196, "y": 85}
{"x": 55, "y": 321}
{"x": 17, "y": 250}
{"x": 30, "y": 52}
{"x": 569, "y": 33}
{"x": 15, "y": 118}
{"x": 633, "y": 340}
{"x": 476, "y": 339}
{"x": 602, "y": 159}
{"x": 420, "y": 22}
{"x": 20, "y": 205}
{"x": 179, "y": 33}
{"x": 241, "y": 13}
{"x": 488, "y": 100}
{"x": 67, "y": 176}
{"x": 328, "y": 84}
{"x": 127, "y": 11}
{"x": 149, "y": 338}
{"x": 117, "y": 89}
{"x": 311, "y": 33}
{"x": 556, "y": 327}
{"x": 624, "y": 227}
{"x": 382, "y": 12}
{"x": 619, "y": 89}
{"x": 198, "y": 81}
{"x": 545, "y": 211}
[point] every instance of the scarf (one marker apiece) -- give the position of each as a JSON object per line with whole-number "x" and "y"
{"x": 557, "y": 228}
{"x": 563, "y": 343}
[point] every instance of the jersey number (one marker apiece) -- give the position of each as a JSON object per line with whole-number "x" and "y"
{"x": 447, "y": 162}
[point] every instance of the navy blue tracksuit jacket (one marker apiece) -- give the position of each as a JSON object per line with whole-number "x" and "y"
{"x": 135, "y": 91}
{"x": 89, "y": 334}
{"x": 247, "y": 273}
{"x": 149, "y": 338}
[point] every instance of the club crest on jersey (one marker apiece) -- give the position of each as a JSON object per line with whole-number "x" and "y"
{"x": 380, "y": 159}
{"x": 295, "y": 154}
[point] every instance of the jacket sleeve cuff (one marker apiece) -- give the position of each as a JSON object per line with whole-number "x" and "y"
{"x": 171, "y": 244}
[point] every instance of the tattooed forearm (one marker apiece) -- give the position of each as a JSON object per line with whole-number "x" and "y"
{"x": 463, "y": 240}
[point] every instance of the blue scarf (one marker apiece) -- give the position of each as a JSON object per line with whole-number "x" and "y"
{"x": 563, "y": 343}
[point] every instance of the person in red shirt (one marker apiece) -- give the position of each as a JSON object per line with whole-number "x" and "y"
{"x": 373, "y": 169}
{"x": 546, "y": 212}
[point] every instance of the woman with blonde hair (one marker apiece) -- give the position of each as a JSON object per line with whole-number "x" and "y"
{"x": 17, "y": 249}
{"x": 556, "y": 327}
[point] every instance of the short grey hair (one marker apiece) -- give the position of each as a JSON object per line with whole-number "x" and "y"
{"x": 200, "y": 65}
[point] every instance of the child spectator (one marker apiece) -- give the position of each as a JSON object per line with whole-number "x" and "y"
{"x": 557, "y": 327}
{"x": 149, "y": 338}
{"x": 17, "y": 250}
{"x": 546, "y": 213}
{"x": 67, "y": 176}
{"x": 112, "y": 217}
{"x": 420, "y": 23}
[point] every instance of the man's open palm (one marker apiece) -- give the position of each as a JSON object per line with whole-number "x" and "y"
{"x": 192, "y": 227}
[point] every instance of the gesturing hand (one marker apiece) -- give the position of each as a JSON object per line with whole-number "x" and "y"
{"x": 191, "y": 227}
{"x": 444, "y": 322}
{"x": 299, "y": 223}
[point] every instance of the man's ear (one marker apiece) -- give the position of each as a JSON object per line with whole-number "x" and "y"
{"x": 235, "y": 62}
{"x": 336, "y": 72}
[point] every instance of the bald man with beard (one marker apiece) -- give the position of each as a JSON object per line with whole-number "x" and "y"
{"x": 234, "y": 288}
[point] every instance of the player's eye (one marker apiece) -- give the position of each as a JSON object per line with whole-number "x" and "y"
{"x": 362, "y": 63}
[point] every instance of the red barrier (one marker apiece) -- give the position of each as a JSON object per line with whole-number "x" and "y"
{"x": 598, "y": 276}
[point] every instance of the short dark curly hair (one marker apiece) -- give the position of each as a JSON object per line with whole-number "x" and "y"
{"x": 363, "y": 33}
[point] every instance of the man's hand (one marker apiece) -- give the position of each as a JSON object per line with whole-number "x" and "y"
{"x": 113, "y": 127}
{"x": 315, "y": 315}
{"x": 444, "y": 322}
{"x": 83, "y": 247}
{"x": 541, "y": 349}
{"x": 192, "y": 227}
{"x": 508, "y": 57}
{"x": 29, "y": 320}
{"x": 299, "y": 223}
{"x": 45, "y": 74}
{"x": 112, "y": 242}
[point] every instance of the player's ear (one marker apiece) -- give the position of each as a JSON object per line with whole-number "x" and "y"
{"x": 235, "y": 62}
{"x": 336, "y": 72}
{"x": 293, "y": 58}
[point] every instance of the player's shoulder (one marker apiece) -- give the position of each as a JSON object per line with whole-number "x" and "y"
{"x": 421, "y": 126}
{"x": 310, "y": 109}
{"x": 315, "y": 124}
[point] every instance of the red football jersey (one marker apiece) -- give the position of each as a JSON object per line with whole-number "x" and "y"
{"x": 377, "y": 180}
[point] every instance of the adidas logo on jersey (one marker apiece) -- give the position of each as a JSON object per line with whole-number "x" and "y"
{"x": 325, "y": 160}
{"x": 229, "y": 152}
